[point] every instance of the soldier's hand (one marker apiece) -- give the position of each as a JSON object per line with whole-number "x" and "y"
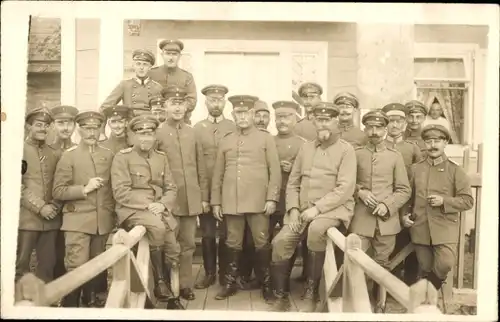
{"x": 309, "y": 214}
{"x": 49, "y": 211}
{"x": 380, "y": 210}
{"x": 368, "y": 198}
{"x": 156, "y": 208}
{"x": 93, "y": 184}
{"x": 435, "y": 200}
{"x": 270, "y": 207}
{"x": 205, "y": 206}
{"x": 407, "y": 222}
{"x": 217, "y": 211}
{"x": 286, "y": 166}
{"x": 294, "y": 222}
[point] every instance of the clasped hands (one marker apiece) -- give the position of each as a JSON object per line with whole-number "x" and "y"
{"x": 298, "y": 219}
{"x": 369, "y": 199}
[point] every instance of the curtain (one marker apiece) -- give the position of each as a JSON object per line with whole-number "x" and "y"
{"x": 452, "y": 103}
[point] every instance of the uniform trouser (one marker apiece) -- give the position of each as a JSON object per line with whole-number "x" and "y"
{"x": 59, "y": 269}
{"x": 382, "y": 247}
{"x": 436, "y": 258}
{"x": 44, "y": 242}
{"x": 286, "y": 241}
{"x": 273, "y": 220}
{"x": 259, "y": 227}
{"x": 155, "y": 228}
{"x": 208, "y": 225}
{"x": 410, "y": 263}
{"x": 82, "y": 247}
{"x": 185, "y": 233}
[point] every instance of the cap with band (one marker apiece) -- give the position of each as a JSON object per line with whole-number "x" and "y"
{"x": 64, "y": 112}
{"x": 346, "y": 99}
{"x": 375, "y": 117}
{"x": 415, "y": 106}
{"x": 243, "y": 101}
{"x": 325, "y": 109}
{"x": 40, "y": 114}
{"x": 143, "y": 123}
{"x": 309, "y": 88}
{"x": 171, "y": 45}
{"x": 143, "y": 55}
{"x": 394, "y": 109}
{"x": 216, "y": 89}
{"x": 435, "y": 131}
{"x": 90, "y": 119}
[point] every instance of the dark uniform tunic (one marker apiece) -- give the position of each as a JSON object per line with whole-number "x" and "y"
{"x": 415, "y": 137}
{"x": 209, "y": 133}
{"x": 133, "y": 93}
{"x": 305, "y": 128}
{"x": 380, "y": 170}
{"x": 116, "y": 144}
{"x": 435, "y": 230}
{"x": 87, "y": 219}
{"x": 353, "y": 135}
{"x": 186, "y": 159}
{"x": 247, "y": 173}
{"x": 36, "y": 191}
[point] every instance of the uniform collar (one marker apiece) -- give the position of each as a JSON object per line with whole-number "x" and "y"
{"x": 36, "y": 143}
{"x": 212, "y": 119}
{"x": 394, "y": 140}
{"x": 285, "y": 136}
{"x": 89, "y": 148}
{"x": 410, "y": 133}
{"x": 334, "y": 138}
{"x": 170, "y": 69}
{"x": 63, "y": 144}
{"x": 141, "y": 153}
{"x": 174, "y": 124}
{"x": 247, "y": 131}
{"x": 112, "y": 136}
{"x": 138, "y": 81}
{"x": 376, "y": 148}
{"x": 438, "y": 160}
{"x": 346, "y": 126}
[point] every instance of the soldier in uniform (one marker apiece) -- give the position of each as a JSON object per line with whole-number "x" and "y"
{"x": 64, "y": 126}
{"x": 171, "y": 74}
{"x": 310, "y": 93}
{"x": 185, "y": 156}
{"x": 347, "y": 103}
{"x": 441, "y": 190}
{"x": 318, "y": 196}
{"x": 245, "y": 188}
{"x": 83, "y": 181}
{"x": 158, "y": 109}
{"x": 415, "y": 117}
{"x": 145, "y": 195}
{"x": 209, "y": 133}
{"x": 262, "y": 115}
{"x": 117, "y": 117}
{"x": 411, "y": 154}
{"x": 39, "y": 219}
{"x": 382, "y": 188}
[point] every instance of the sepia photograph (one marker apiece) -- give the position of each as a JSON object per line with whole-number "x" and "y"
{"x": 216, "y": 162}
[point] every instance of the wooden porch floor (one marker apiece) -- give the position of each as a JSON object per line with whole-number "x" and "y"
{"x": 241, "y": 301}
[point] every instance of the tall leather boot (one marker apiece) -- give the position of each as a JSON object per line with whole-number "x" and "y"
{"x": 263, "y": 260}
{"x": 230, "y": 287}
{"x": 316, "y": 261}
{"x": 291, "y": 264}
{"x": 280, "y": 275}
{"x": 209, "y": 263}
{"x": 161, "y": 290}
{"x": 72, "y": 299}
{"x": 410, "y": 269}
{"x": 303, "y": 253}
{"x": 247, "y": 263}
{"x": 89, "y": 297}
{"x": 222, "y": 263}
{"x": 173, "y": 303}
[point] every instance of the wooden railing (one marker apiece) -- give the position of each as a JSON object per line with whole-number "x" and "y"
{"x": 130, "y": 286}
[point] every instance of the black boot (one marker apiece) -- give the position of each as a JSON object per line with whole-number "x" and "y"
{"x": 230, "y": 287}
{"x": 72, "y": 299}
{"x": 303, "y": 253}
{"x": 173, "y": 303}
{"x": 316, "y": 261}
{"x": 291, "y": 264}
{"x": 247, "y": 264}
{"x": 280, "y": 275}
{"x": 263, "y": 260}
{"x": 209, "y": 263}
{"x": 410, "y": 270}
{"x": 89, "y": 297}
{"x": 435, "y": 280}
{"x": 161, "y": 290}
{"x": 221, "y": 250}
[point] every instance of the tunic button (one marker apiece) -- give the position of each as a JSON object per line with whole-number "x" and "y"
{"x": 133, "y": 95}
{"x": 135, "y": 86}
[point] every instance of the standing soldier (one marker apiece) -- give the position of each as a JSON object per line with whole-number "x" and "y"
{"x": 170, "y": 73}
{"x": 209, "y": 132}
{"x": 117, "y": 121}
{"x": 137, "y": 91}
{"x": 441, "y": 190}
{"x": 39, "y": 221}
{"x": 415, "y": 116}
{"x": 310, "y": 94}
{"x": 347, "y": 103}
{"x": 83, "y": 181}
{"x": 64, "y": 125}
{"x": 262, "y": 115}
{"x": 185, "y": 156}
{"x": 158, "y": 110}
{"x": 382, "y": 188}
{"x": 145, "y": 195}
{"x": 318, "y": 196}
{"x": 411, "y": 154}
{"x": 245, "y": 188}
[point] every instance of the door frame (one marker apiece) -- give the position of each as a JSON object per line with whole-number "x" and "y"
{"x": 196, "y": 48}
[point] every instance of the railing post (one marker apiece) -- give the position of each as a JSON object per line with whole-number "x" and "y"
{"x": 355, "y": 292}
{"x": 423, "y": 298}
{"x": 119, "y": 293}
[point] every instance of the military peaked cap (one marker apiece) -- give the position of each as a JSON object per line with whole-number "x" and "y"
{"x": 375, "y": 117}
{"x": 434, "y": 131}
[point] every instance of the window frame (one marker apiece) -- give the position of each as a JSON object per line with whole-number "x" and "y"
{"x": 468, "y": 53}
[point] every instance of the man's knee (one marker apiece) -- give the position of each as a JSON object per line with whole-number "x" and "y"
{"x": 316, "y": 234}
{"x": 444, "y": 259}
{"x": 283, "y": 245}
{"x": 156, "y": 234}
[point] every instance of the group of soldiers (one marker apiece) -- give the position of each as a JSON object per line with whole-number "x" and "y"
{"x": 390, "y": 183}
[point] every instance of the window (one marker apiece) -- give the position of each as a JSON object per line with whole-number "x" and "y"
{"x": 444, "y": 81}
{"x": 304, "y": 69}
